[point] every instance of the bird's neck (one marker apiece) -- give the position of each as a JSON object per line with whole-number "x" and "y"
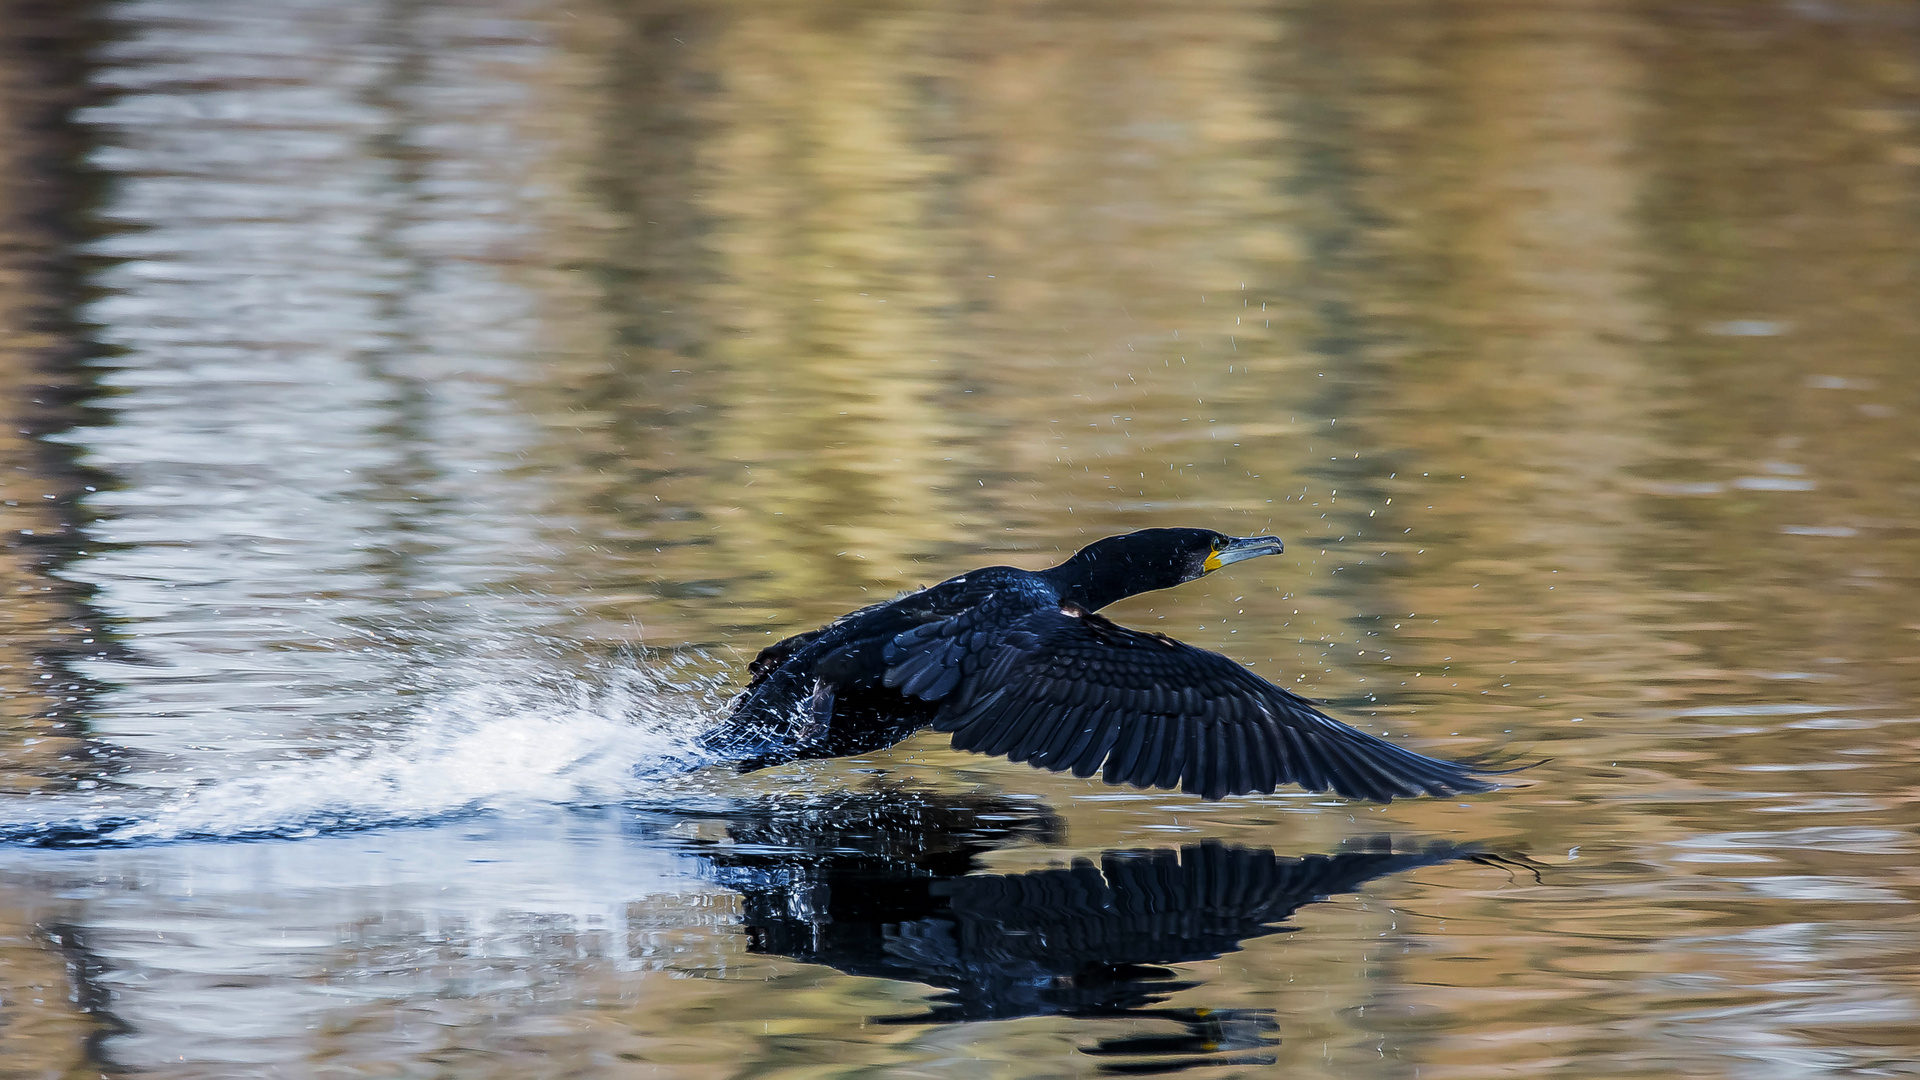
{"x": 1093, "y": 583}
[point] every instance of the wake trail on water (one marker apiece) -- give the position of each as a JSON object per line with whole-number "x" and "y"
{"x": 489, "y": 741}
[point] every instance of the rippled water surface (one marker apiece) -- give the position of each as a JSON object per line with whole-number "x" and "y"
{"x": 418, "y": 411}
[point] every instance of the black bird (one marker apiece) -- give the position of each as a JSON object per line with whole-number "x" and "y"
{"x": 1015, "y": 662}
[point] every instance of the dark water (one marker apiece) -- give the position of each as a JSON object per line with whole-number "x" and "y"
{"x": 417, "y": 411}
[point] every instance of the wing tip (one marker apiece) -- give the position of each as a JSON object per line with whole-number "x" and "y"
{"x": 1368, "y": 769}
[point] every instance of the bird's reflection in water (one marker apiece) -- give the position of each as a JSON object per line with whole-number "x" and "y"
{"x": 884, "y": 887}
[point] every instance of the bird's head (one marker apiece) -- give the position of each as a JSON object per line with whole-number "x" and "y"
{"x": 1136, "y": 562}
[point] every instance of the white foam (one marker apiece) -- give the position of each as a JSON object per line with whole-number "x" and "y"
{"x": 491, "y": 742}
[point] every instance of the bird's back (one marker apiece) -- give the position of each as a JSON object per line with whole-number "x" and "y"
{"x": 821, "y": 693}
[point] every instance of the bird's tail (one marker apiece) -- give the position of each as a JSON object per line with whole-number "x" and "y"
{"x": 772, "y": 723}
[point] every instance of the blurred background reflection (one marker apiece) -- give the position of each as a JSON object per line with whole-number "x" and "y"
{"x": 415, "y": 410}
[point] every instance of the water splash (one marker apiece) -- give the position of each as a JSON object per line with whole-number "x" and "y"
{"x": 491, "y": 741}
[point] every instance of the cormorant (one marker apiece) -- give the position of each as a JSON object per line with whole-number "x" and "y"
{"x": 1017, "y": 663}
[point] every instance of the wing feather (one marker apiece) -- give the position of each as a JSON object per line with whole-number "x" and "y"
{"x": 1144, "y": 761}
{"x": 1304, "y": 769}
{"x": 1052, "y": 741}
{"x": 973, "y": 734}
{"x": 1090, "y": 729}
{"x": 1002, "y": 728}
{"x": 1173, "y": 762}
{"x": 1098, "y": 750}
{"x": 1021, "y": 677}
{"x": 1239, "y": 745}
{"x": 1023, "y": 717}
{"x": 1261, "y": 742}
{"x": 1124, "y": 765}
{"x": 995, "y": 718}
{"x": 1353, "y": 775}
{"x": 1220, "y": 749}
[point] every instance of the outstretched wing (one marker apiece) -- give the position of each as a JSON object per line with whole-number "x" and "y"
{"x": 1063, "y": 689}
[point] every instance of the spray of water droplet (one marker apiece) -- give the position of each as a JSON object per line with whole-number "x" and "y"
{"x": 493, "y": 740}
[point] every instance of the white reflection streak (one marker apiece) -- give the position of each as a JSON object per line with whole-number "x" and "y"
{"x": 240, "y": 953}
{"x": 314, "y": 458}
{"x": 308, "y": 427}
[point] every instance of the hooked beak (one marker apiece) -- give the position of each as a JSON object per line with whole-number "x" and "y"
{"x": 1241, "y": 548}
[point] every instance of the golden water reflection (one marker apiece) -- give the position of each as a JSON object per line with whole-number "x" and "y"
{"x": 1462, "y": 302}
{"x": 1570, "y": 350}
